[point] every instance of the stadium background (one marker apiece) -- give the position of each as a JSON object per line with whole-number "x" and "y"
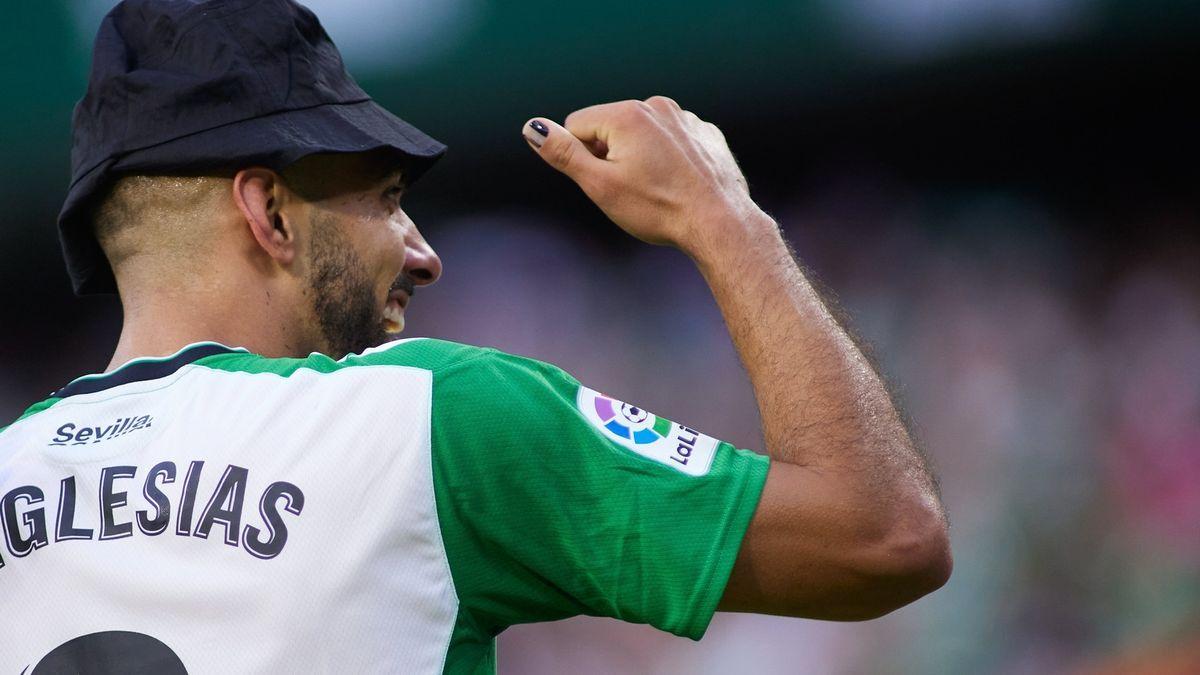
{"x": 1003, "y": 193}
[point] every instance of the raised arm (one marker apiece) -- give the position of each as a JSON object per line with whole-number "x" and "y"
{"x": 849, "y": 525}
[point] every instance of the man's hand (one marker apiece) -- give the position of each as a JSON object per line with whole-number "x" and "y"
{"x": 658, "y": 171}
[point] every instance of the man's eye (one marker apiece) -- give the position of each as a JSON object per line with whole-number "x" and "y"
{"x": 394, "y": 193}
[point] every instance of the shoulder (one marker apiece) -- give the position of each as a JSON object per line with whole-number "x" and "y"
{"x": 425, "y": 353}
{"x": 429, "y": 354}
{"x": 457, "y": 362}
{"x": 461, "y": 375}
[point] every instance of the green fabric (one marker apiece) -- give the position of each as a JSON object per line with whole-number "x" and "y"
{"x": 543, "y": 517}
{"x": 33, "y": 410}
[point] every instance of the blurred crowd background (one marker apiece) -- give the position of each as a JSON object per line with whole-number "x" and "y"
{"x": 1001, "y": 193}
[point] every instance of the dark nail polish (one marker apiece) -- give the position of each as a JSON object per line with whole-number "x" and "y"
{"x": 540, "y": 127}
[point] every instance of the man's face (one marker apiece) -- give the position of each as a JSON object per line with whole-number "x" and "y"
{"x": 365, "y": 257}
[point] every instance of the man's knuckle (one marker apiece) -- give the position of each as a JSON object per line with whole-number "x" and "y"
{"x": 663, "y": 103}
{"x": 637, "y": 109}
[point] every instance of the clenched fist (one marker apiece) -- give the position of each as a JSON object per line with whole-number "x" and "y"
{"x": 658, "y": 171}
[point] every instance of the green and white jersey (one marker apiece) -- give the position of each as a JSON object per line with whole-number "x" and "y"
{"x": 217, "y": 512}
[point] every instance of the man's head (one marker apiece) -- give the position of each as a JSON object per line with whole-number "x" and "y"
{"x": 322, "y": 250}
{"x": 177, "y": 88}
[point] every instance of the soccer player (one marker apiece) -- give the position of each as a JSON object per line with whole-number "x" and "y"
{"x": 265, "y": 480}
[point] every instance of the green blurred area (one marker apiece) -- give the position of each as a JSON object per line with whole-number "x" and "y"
{"x": 1052, "y": 98}
{"x": 751, "y": 58}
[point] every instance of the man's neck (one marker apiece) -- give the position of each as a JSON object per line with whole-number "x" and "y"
{"x": 162, "y": 324}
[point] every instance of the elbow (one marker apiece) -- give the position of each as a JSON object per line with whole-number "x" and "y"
{"x": 922, "y": 558}
{"x": 911, "y": 560}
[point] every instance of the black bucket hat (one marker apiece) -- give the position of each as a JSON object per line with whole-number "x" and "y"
{"x": 185, "y": 85}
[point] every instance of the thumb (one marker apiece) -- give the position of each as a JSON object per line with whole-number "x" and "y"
{"x": 561, "y": 149}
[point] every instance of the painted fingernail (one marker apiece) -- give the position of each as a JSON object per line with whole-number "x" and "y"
{"x": 540, "y": 132}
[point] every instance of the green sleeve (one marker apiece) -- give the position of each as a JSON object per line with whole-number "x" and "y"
{"x": 556, "y": 501}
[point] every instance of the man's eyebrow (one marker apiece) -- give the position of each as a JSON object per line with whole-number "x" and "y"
{"x": 392, "y": 175}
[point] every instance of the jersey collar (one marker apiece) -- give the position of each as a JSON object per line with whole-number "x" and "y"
{"x": 145, "y": 368}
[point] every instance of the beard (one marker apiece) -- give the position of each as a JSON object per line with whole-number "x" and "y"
{"x": 347, "y": 312}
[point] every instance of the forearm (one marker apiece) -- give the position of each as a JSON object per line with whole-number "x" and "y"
{"x": 822, "y": 404}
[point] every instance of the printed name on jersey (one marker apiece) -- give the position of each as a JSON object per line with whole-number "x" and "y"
{"x": 26, "y": 525}
{"x": 73, "y": 434}
{"x": 647, "y": 434}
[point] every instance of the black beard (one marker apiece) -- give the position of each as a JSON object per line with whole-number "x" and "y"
{"x": 343, "y": 296}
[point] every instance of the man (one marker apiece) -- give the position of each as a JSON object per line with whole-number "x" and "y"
{"x": 261, "y": 482}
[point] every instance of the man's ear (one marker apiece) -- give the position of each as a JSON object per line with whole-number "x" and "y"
{"x": 257, "y": 192}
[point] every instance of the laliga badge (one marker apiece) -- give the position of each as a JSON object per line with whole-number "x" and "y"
{"x": 658, "y": 438}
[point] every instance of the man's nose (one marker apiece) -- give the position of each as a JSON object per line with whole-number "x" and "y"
{"x": 421, "y": 264}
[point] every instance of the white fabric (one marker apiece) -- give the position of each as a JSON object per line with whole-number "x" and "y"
{"x": 362, "y": 584}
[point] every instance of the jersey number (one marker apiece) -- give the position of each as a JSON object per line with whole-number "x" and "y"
{"x": 111, "y": 652}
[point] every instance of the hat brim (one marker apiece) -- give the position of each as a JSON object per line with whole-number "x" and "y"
{"x": 275, "y": 141}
